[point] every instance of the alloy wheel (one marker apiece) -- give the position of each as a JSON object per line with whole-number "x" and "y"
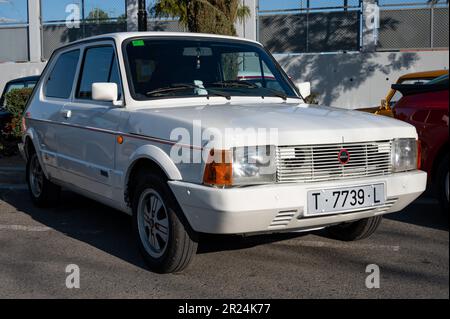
{"x": 153, "y": 223}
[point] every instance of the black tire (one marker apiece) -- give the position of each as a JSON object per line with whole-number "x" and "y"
{"x": 181, "y": 244}
{"x": 441, "y": 187}
{"x": 49, "y": 192}
{"x": 356, "y": 230}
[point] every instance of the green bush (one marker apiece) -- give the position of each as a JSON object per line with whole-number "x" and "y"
{"x": 15, "y": 102}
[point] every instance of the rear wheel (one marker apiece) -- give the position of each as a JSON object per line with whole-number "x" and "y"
{"x": 165, "y": 241}
{"x": 43, "y": 192}
{"x": 442, "y": 185}
{"x": 356, "y": 230}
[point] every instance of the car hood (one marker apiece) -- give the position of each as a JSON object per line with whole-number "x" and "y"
{"x": 295, "y": 124}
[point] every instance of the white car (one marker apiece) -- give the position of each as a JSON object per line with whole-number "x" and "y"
{"x": 162, "y": 127}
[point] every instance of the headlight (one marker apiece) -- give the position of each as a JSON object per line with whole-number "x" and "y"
{"x": 404, "y": 154}
{"x": 254, "y": 165}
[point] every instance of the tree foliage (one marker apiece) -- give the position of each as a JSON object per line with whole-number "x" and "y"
{"x": 97, "y": 15}
{"x": 204, "y": 16}
{"x": 11, "y": 132}
{"x": 16, "y": 101}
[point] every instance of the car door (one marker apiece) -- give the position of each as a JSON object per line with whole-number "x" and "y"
{"x": 87, "y": 146}
{"x": 54, "y": 92}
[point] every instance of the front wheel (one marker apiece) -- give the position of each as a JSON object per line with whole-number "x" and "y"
{"x": 356, "y": 230}
{"x": 165, "y": 241}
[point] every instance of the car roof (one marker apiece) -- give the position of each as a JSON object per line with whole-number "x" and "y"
{"x": 413, "y": 89}
{"x": 122, "y": 36}
{"x": 423, "y": 75}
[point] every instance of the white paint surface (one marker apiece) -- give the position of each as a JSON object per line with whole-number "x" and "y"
{"x": 357, "y": 80}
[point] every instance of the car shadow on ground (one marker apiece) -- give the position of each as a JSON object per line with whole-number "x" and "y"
{"x": 110, "y": 230}
{"x": 425, "y": 212}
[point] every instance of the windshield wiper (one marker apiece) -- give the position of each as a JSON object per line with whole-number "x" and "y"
{"x": 250, "y": 85}
{"x": 235, "y": 83}
{"x": 172, "y": 88}
{"x": 184, "y": 86}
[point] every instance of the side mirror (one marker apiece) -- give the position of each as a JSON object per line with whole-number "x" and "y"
{"x": 106, "y": 92}
{"x": 304, "y": 89}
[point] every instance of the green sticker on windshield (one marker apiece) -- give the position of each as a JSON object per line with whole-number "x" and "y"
{"x": 138, "y": 43}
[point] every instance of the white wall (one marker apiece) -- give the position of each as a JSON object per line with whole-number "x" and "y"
{"x": 10, "y": 71}
{"x": 356, "y": 80}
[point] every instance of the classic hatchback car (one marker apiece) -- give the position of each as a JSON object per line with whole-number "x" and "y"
{"x": 26, "y": 82}
{"x": 393, "y": 96}
{"x": 161, "y": 126}
{"x": 426, "y": 107}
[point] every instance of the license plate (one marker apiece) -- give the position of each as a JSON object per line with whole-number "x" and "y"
{"x": 328, "y": 201}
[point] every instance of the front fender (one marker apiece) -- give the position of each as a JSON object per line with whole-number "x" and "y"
{"x": 156, "y": 155}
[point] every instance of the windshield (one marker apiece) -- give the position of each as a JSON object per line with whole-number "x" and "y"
{"x": 180, "y": 67}
{"x": 440, "y": 80}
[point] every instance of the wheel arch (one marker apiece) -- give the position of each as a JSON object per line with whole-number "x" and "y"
{"x": 30, "y": 142}
{"x": 149, "y": 156}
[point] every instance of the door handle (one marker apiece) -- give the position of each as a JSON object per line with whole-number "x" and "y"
{"x": 67, "y": 114}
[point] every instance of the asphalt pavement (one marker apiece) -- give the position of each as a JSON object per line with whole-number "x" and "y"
{"x": 411, "y": 250}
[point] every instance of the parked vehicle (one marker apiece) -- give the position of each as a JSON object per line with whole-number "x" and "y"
{"x": 394, "y": 95}
{"x": 26, "y": 82}
{"x": 109, "y": 119}
{"x": 426, "y": 107}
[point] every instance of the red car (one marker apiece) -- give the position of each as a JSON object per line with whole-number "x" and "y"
{"x": 426, "y": 107}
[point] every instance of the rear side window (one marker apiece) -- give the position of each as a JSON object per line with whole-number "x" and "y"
{"x": 60, "y": 81}
{"x": 15, "y": 86}
{"x": 99, "y": 65}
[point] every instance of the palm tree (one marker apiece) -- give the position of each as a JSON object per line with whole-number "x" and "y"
{"x": 206, "y": 16}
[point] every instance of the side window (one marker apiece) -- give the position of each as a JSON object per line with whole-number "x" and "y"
{"x": 15, "y": 86}
{"x": 99, "y": 65}
{"x": 59, "y": 83}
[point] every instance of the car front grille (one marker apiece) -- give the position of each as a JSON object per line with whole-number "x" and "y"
{"x": 315, "y": 163}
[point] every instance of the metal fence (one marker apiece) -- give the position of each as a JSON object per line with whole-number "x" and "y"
{"x": 55, "y": 35}
{"x": 418, "y": 26}
{"x": 168, "y": 25}
{"x": 304, "y": 30}
{"x": 403, "y": 25}
{"x": 13, "y": 31}
{"x": 111, "y": 17}
{"x": 14, "y": 43}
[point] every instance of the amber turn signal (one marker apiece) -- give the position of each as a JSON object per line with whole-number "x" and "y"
{"x": 419, "y": 154}
{"x": 218, "y": 169}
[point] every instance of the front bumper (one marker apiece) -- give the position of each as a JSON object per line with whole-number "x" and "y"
{"x": 280, "y": 207}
